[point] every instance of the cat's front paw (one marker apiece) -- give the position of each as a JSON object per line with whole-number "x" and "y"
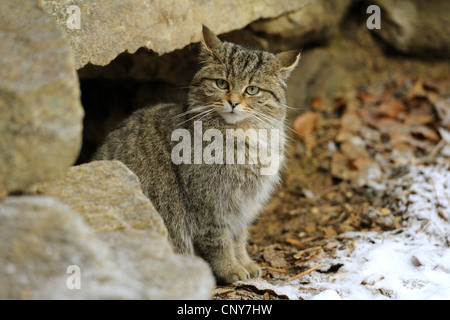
{"x": 254, "y": 269}
{"x": 231, "y": 274}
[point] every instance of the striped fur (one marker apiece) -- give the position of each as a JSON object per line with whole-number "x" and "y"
{"x": 208, "y": 207}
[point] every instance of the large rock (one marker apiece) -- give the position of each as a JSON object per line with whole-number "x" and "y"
{"x": 98, "y": 219}
{"x": 41, "y": 238}
{"x": 108, "y": 28}
{"x": 109, "y": 197}
{"x": 40, "y": 110}
{"x": 316, "y": 22}
{"x": 416, "y": 27}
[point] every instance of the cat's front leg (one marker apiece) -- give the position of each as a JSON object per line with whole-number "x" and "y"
{"x": 240, "y": 248}
{"x": 217, "y": 247}
{"x": 182, "y": 244}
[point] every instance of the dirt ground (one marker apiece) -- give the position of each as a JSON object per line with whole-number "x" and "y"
{"x": 394, "y": 111}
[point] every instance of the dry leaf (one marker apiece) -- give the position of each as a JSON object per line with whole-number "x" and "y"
{"x": 442, "y": 107}
{"x": 418, "y": 118}
{"x": 340, "y": 166}
{"x": 310, "y": 254}
{"x": 294, "y": 242}
{"x": 421, "y": 112}
{"x": 328, "y": 231}
{"x": 391, "y": 126}
{"x": 392, "y": 109}
{"x": 354, "y": 148}
{"x": 366, "y": 98}
{"x": 317, "y": 104}
{"x": 350, "y": 124}
{"x": 366, "y": 169}
{"x": 417, "y": 90}
{"x": 274, "y": 257}
{"x": 305, "y": 257}
{"x": 305, "y": 123}
{"x": 426, "y": 132}
{"x": 304, "y": 126}
{"x": 351, "y": 121}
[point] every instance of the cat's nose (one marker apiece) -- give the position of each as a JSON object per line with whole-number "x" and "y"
{"x": 233, "y": 103}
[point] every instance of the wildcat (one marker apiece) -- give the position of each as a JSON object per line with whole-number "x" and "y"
{"x": 207, "y": 208}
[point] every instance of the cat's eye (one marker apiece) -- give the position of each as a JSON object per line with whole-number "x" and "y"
{"x": 222, "y": 84}
{"x": 252, "y": 90}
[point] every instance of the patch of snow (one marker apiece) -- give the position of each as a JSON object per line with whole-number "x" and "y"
{"x": 327, "y": 295}
{"x": 396, "y": 266}
{"x": 412, "y": 262}
{"x": 288, "y": 291}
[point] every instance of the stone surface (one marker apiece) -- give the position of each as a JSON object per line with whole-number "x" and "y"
{"x": 416, "y": 27}
{"x": 318, "y": 21}
{"x": 108, "y": 28}
{"x": 41, "y": 114}
{"x": 96, "y": 218}
{"x": 109, "y": 197}
{"x": 40, "y": 238}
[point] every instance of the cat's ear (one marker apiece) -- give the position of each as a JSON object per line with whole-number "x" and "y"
{"x": 210, "y": 40}
{"x": 288, "y": 60}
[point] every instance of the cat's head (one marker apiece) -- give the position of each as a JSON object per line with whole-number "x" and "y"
{"x": 239, "y": 84}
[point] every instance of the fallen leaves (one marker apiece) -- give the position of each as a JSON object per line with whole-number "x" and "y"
{"x": 274, "y": 257}
{"x": 304, "y": 257}
{"x": 305, "y": 123}
{"x": 401, "y": 125}
{"x": 392, "y": 108}
{"x": 443, "y": 109}
{"x": 304, "y": 126}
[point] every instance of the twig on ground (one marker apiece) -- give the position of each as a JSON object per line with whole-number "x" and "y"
{"x": 432, "y": 155}
{"x": 302, "y": 274}
{"x": 437, "y": 204}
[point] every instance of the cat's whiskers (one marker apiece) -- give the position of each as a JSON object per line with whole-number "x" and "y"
{"x": 206, "y": 113}
{"x": 270, "y": 119}
{"x": 265, "y": 124}
{"x": 201, "y": 115}
{"x": 270, "y": 127}
{"x": 199, "y": 108}
{"x": 289, "y": 107}
{"x": 286, "y": 126}
{"x": 281, "y": 122}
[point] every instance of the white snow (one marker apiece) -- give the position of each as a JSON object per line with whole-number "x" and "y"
{"x": 327, "y": 295}
{"x": 412, "y": 262}
{"x": 393, "y": 266}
